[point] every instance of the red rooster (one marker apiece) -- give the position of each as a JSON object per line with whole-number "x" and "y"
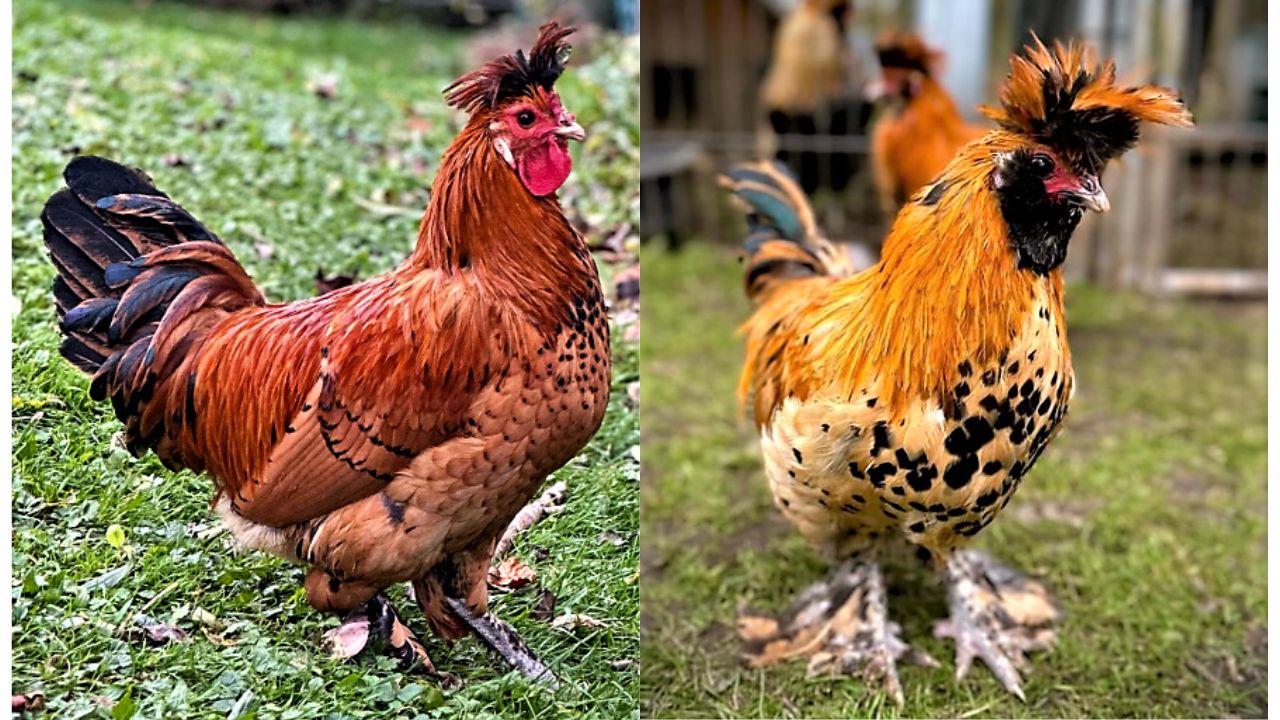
{"x": 384, "y": 432}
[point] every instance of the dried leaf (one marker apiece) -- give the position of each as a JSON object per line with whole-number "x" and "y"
{"x": 613, "y": 538}
{"x": 576, "y": 620}
{"x": 149, "y": 632}
{"x": 348, "y": 639}
{"x": 511, "y": 574}
{"x": 176, "y": 160}
{"x": 627, "y": 284}
{"x": 207, "y": 619}
{"x": 324, "y": 86}
{"x": 545, "y": 608}
{"x": 27, "y": 701}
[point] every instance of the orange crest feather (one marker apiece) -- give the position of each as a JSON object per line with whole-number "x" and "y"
{"x": 1065, "y": 99}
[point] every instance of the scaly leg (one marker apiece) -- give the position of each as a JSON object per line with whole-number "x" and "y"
{"x": 503, "y": 639}
{"x": 841, "y": 625}
{"x": 997, "y": 614}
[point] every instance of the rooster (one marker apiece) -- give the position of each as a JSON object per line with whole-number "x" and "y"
{"x": 902, "y": 406}
{"x": 387, "y": 431}
{"x": 919, "y": 128}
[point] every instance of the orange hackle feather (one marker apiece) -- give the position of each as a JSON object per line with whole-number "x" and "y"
{"x": 947, "y": 287}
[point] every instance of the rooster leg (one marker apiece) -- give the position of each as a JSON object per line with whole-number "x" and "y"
{"x": 997, "y": 614}
{"x": 505, "y": 641}
{"x": 377, "y": 619}
{"x": 841, "y": 625}
{"x": 402, "y": 643}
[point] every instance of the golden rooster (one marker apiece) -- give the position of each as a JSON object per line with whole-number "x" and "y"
{"x": 902, "y": 406}
{"x": 918, "y": 129}
{"x": 385, "y": 432}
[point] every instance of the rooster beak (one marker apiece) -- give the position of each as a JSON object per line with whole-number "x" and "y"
{"x": 572, "y": 131}
{"x": 1091, "y": 196}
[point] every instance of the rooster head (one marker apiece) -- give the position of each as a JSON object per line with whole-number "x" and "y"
{"x": 904, "y": 62}
{"x": 1063, "y": 119}
{"x": 514, "y": 98}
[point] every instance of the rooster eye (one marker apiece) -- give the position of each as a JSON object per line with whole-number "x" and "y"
{"x": 1041, "y": 165}
{"x": 525, "y": 118}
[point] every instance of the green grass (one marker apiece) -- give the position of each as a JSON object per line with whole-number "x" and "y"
{"x": 278, "y": 172}
{"x": 1147, "y": 516}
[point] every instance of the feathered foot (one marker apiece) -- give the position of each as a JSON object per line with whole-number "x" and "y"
{"x": 841, "y": 625}
{"x": 997, "y": 614}
{"x": 503, "y": 639}
{"x": 378, "y": 618}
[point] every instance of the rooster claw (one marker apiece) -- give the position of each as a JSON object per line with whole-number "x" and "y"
{"x": 377, "y": 618}
{"x": 997, "y": 615}
{"x": 503, "y": 639}
{"x": 841, "y": 626}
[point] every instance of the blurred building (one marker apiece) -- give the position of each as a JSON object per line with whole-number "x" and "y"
{"x": 1190, "y": 206}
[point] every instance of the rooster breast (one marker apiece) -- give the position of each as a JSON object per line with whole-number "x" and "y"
{"x": 852, "y": 477}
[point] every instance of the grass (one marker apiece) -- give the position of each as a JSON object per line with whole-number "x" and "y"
{"x": 216, "y": 107}
{"x": 1147, "y": 517}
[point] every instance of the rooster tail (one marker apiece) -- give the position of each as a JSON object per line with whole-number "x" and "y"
{"x": 135, "y": 272}
{"x": 783, "y": 239}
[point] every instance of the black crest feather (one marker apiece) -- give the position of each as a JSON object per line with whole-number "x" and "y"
{"x": 1069, "y": 101}
{"x": 515, "y": 75}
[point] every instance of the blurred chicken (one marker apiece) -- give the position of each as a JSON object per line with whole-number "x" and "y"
{"x": 387, "y": 431}
{"x": 902, "y": 406}
{"x": 806, "y": 80}
{"x": 918, "y": 129}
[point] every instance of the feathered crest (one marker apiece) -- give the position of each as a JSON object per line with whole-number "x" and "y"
{"x": 906, "y": 50}
{"x": 1069, "y": 102}
{"x": 512, "y": 76}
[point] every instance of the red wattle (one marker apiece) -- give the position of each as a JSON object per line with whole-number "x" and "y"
{"x": 544, "y": 169}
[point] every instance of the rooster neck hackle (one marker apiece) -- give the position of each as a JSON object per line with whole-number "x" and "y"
{"x": 946, "y": 291}
{"x": 481, "y": 224}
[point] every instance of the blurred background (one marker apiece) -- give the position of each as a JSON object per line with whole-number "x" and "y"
{"x": 1147, "y": 513}
{"x": 307, "y": 135}
{"x": 1190, "y": 207}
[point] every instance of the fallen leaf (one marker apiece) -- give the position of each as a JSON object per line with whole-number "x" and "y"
{"x": 27, "y": 701}
{"x": 207, "y": 619}
{"x": 149, "y": 632}
{"x": 633, "y": 393}
{"x": 612, "y": 538}
{"x": 545, "y": 608}
{"x": 348, "y": 639}
{"x": 264, "y": 250}
{"x": 176, "y": 160}
{"x": 511, "y": 574}
{"x": 627, "y": 284}
{"x": 325, "y": 86}
{"x": 576, "y": 620}
{"x": 622, "y": 664}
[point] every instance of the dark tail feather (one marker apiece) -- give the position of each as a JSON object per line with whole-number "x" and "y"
{"x": 126, "y": 253}
{"x": 783, "y": 239}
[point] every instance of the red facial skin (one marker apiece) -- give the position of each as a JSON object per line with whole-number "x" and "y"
{"x": 1061, "y": 180}
{"x": 541, "y": 156}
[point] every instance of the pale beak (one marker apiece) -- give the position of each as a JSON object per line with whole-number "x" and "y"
{"x": 572, "y": 131}
{"x": 1091, "y": 196}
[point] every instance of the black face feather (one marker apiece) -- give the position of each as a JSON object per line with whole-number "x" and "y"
{"x": 1039, "y": 227}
